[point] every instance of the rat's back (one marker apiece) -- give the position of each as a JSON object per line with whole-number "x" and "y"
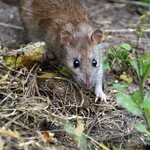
{"x": 39, "y": 16}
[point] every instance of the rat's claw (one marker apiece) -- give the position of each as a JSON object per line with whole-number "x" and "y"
{"x": 96, "y": 99}
{"x": 102, "y": 96}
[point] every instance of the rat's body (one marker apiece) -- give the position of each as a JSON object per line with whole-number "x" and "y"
{"x": 65, "y": 27}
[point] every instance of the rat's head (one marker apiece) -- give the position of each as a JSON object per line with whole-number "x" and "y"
{"x": 83, "y": 56}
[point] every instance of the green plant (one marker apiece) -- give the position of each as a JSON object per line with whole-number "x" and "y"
{"x": 77, "y": 134}
{"x": 145, "y": 1}
{"x": 82, "y": 139}
{"x": 121, "y": 53}
{"x": 138, "y": 102}
{"x": 118, "y": 55}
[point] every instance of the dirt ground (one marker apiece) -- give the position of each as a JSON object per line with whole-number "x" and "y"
{"x": 34, "y": 108}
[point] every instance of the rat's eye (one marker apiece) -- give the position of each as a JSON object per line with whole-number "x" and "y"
{"x": 76, "y": 63}
{"x": 94, "y": 63}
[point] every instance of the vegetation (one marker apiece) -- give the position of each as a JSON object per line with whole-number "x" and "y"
{"x": 137, "y": 102}
{"x": 40, "y": 108}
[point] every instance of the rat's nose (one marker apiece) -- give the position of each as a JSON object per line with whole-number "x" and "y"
{"x": 87, "y": 82}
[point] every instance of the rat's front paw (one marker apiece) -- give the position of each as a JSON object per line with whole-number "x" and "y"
{"x": 101, "y": 95}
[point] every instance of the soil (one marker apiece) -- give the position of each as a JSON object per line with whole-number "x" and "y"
{"x": 36, "y": 109}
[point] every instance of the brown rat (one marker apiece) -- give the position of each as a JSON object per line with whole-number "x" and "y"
{"x": 65, "y": 27}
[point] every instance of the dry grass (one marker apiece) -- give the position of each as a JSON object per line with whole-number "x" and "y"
{"x": 31, "y": 106}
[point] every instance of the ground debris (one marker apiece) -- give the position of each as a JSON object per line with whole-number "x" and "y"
{"x": 34, "y": 108}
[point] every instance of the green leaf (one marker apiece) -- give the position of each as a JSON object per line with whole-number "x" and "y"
{"x": 127, "y": 102}
{"x": 137, "y": 96}
{"x": 141, "y": 128}
{"x": 145, "y": 61}
{"x": 113, "y": 52}
{"x": 146, "y": 108}
{"x": 143, "y": 17}
{"x": 146, "y": 105}
{"x": 143, "y": 70}
{"x": 125, "y": 46}
{"x": 147, "y": 97}
{"x": 145, "y": 1}
{"x": 145, "y": 67}
{"x": 77, "y": 134}
{"x": 124, "y": 51}
{"x": 147, "y": 27}
{"x": 106, "y": 65}
{"x": 119, "y": 87}
{"x": 63, "y": 71}
{"x": 134, "y": 64}
{"x": 69, "y": 129}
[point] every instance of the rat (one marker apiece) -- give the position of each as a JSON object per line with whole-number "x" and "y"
{"x": 66, "y": 28}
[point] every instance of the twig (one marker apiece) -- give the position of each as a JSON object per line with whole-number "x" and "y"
{"x": 99, "y": 11}
{"x": 137, "y": 3}
{"x": 24, "y": 49}
{"x": 11, "y": 26}
{"x": 94, "y": 120}
{"x": 18, "y": 123}
{"x": 10, "y": 69}
{"x": 123, "y": 31}
{"x": 118, "y": 137}
{"x": 98, "y": 143}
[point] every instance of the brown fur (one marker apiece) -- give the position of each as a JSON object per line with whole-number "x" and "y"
{"x": 69, "y": 34}
{"x": 47, "y": 19}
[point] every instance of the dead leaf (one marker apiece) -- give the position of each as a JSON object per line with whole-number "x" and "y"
{"x": 47, "y": 75}
{"x": 31, "y": 54}
{"x": 48, "y": 137}
{"x": 126, "y": 77}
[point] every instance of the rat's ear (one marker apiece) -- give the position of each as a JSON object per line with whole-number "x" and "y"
{"x": 67, "y": 38}
{"x": 96, "y": 37}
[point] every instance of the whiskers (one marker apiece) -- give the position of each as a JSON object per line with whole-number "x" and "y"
{"x": 98, "y": 76}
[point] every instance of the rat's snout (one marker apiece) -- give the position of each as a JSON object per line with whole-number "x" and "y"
{"x": 86, "y": 82}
